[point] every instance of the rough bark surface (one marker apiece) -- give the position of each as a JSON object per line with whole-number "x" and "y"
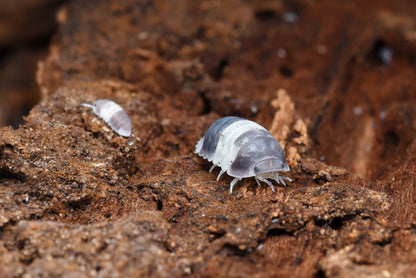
{"x": 77, "y": 200}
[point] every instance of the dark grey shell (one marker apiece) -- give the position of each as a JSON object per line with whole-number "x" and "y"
{"x": 213, "y": 134}
{"x": 259, "y": 148}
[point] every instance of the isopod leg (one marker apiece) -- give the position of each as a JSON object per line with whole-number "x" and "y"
{"x": 212, "y": 168}
{"x": 280, "y": 179}
{"x": 219, "y": 175}
{"x": 268, "y": 182}
{"x": 233, "y": 182}
{"x": 286, "y": 178}
{"x": 258, "y": 183}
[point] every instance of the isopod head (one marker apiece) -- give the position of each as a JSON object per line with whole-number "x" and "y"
{"x": 268, "y": 167}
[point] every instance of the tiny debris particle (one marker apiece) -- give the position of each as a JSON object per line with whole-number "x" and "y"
{"x": 237, "y": 44}
{"x": 321, "y": 49}
{"x": 357, "y": 110}
{"x": 281, "y": 52}
{"x": 253, "y": 108}
{"x": 143, "y": 35}
{"x": 384, "y": 52}
{"x": 386, "y": 273}
{"x": 260, "y": 247}
{"x": 274, "y": 220}
{"x": 290, "y": 17}
{"x": 383, "y": 115}
{"x": 386, "y": 55}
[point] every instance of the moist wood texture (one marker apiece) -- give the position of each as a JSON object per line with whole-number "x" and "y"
{"x": 77, "y": 200}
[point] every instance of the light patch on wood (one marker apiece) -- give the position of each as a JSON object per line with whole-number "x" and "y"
{"x": 363, "y": 150}
{"x": 283, "y": 118}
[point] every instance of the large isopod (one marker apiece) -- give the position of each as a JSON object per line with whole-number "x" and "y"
{"x": 243, "y": 149}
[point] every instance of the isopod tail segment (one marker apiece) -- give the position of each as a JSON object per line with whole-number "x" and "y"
{"x": 243, "y": 149}
{"x": 113, "y": 114}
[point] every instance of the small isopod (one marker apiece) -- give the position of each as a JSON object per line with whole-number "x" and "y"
{"x": 243, "y": 149}
{"x": 113, "y": 115}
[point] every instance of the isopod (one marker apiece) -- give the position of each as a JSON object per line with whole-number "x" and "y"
{"x": 113, "y": 115}
{"x": 243, "y": 149}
